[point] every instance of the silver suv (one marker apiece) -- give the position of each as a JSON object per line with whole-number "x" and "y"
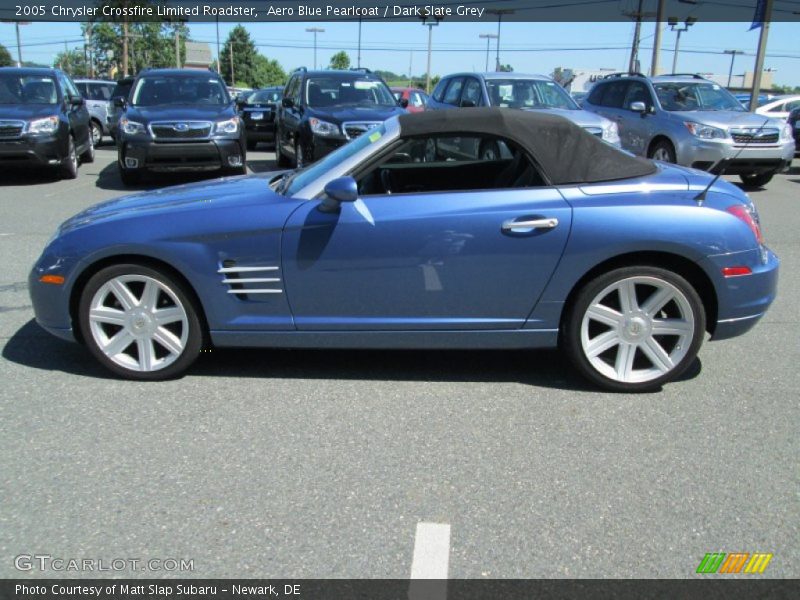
{"x": 97, "y": 94}
{"x": 689, "y": 120}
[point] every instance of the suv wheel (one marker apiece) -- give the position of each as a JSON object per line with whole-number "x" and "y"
{"x": 96, "y": 132}
{"x": 69, "y": 166}
{"x": 663, "y": 151}
{"x": 88, "y": 154}
{"x": 756, "y": 181}
{"x": 280, "y": 157}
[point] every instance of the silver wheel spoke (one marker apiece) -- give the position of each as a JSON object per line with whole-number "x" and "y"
{"x": 601, "y": 343}
{"x": 123, "y": 294}
{"x": 624, "y": 363}
{"x": 170, "y": 314}
{"x": 104, "y": 314}
{"x": 627, "y": 296}
{"x": 657, "y": 355}
{"x": 604, "y": 314}
{"x": 149, "y": 296}
{"x": 671, "y": 327}
{"x": 118, "y": 343}
{"x": 147, "y": 354}
{"x": 657, "y": 301}
{"x": 168, "y": 340}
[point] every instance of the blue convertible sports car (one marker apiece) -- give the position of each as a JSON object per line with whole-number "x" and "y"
{"x": 407, "y": 238}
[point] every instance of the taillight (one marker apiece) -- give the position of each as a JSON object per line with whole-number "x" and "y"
{"x": 741, "y": 213}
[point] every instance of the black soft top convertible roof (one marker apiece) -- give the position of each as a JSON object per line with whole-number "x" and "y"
{"x": 565, "y": 152}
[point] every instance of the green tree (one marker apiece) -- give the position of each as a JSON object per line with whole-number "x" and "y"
{"x": 505, "y": 69}
{"x": 340, "y": 61}
{"x": 268, "y": 72}
{"x": 73, "y": 62}
{"x": 5, "y": 57}
{"x": 240, "y": 51}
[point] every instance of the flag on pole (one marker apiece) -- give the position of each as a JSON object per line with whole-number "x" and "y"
{"x": 758, "y": 15}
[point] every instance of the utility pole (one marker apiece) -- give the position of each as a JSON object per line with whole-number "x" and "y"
{"x": 90, "y": 57}
{"x": 358, "y": 58}
{"x": 733, "y": 54}
{"x": 125, "y": 48}
{"x": 637, "y": 32}
{"x": 219, "y": 58}
{"x": 673, "y": 25}
{"x": 19, "y": 47}
{"x": 315, "y": 31}
{"x": 762, "y": 50}
{"x": 499, "y": 12}
{"x": 410, "y": 67}
{"x": 177, "y": 46}
{"x": 657, "y": 38}
{"x": 489, "y": 37}
{"x": 430, "y": 22}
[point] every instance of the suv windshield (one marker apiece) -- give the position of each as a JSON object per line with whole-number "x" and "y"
{"x": 528, "y": 93}
{"x": 338, "y": 91}
{"x": 263, "y": 96}
{"x": 681, "y": 95}
{"x": 27, "y": 89}
{"x": 155, "y": 90}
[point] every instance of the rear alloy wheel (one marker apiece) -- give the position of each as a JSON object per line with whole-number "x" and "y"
{"x": 97, "y": 133}
{"x": 757, "y": 180}
{"x": 69, "y": 166}
{"x": 635, "y": 328}
{"x": 663, "y": 151}
{"x": 139, "y": 323}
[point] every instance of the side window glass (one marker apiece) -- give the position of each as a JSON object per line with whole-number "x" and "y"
{"x": 778, "y": 108}
{"x": 472, "y": 93}
{"x": 637, "y": 92}
{"x": 438, "y": 92}
{"x": 453, "y": 91}
{"x": 70, "y": 88}
{"x": 83, "y": 88}
{"x": 615, "y": 94}
{"x": 596, "y": 95}
{"x": 451, "y": 163}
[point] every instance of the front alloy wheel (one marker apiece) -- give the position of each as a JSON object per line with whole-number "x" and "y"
{"x": 635, "y": 328}
{"x": 139, "y": 322}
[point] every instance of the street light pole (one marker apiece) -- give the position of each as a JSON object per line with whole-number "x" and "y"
{"x": 673, "y": 25}
{"x": 762, "y": 50}
{"x": 358, "y": 58}
{"x": 431, "y": 22}
{"x": 499, "y": 12}
{"x": 733, "y": 54}
{"x": 657, "y": 38}
{"x": 488, "y": 37}
{"x": 315, "y": 31}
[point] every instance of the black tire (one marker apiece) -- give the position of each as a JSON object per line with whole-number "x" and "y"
{"x": 571, "y": 331}
{"x": 88, "y": 154}
{"x": 251, "y": 144}
{"x": 489, "y": 151}
{"x": 96, "y": 132}
{"x": 756, "y": 181}
{"x": 280, "y": 158}
{"x": 194, "y": 334}
{"x": 69, "y": 166}
{"x": 665, "y": 150}
{"x": 129, "y": 177}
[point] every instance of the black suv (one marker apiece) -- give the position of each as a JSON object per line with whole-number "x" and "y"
{"x": 43, "y": 121}
{"x": 258, "y": 110}
{"x": 178, "y": 120}
{"x": 322, "y": 110}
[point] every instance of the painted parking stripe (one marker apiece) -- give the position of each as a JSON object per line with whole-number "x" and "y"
{"x": 431, "y": 551}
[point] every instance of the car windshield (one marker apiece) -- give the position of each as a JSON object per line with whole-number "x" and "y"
{"x": 263, "y": 97}
{"x": 121, "y": 90}
{"x": 680, "y": 95}
{"x": 27, "y": 89}
{"x": 338, "y": 91}
{"x": 155, "y": 90}
{"x": 297, "y": 180}
{"x": 528, "y": 93}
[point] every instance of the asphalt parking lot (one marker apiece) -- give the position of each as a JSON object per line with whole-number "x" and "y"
{"x": 322, "y": 464}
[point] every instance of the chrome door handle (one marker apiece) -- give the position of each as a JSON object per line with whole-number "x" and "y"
{"x": 526, "y": 226}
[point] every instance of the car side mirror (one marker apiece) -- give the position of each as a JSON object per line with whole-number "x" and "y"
{"x": 287, "y": 102}
{"x": 76, "y": 101}
{"x": 404, "y": 102}
{"x": 639, "y": 107}
{"x": 467, "y": 104}
{"x": 119, "y": 102}
{"x": 341, "y": 189}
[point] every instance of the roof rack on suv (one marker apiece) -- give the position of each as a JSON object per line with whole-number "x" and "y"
{"x": 360, "y": 69}
{"x": 692, "y": 75}
{"x": 300, "y": 69}
{"x": 623, "y": 74}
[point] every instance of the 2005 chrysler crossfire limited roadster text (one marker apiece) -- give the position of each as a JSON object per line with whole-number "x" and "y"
{"x": 407, "y": 238}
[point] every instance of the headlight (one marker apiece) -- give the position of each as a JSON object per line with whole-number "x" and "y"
{"x": 46, "y": 125}
{"x": 611, "y": 133}
{"x": 131, "y": 127}
{"x": 705, "y": 132}
{"x": 227, "y": 127}
{"x": 323, "y": 127}
{"x": 786, "y": 132}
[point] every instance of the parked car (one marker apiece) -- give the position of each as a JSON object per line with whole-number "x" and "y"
{"x": 745, "y": 99}
{"x": 97, "y": 94}
{"x": 517, "y": 90}
{"x": 415, "y": 99}
{"x": 692, "y": 121}
{"x": 794, "y": 123}
{"x": 179, "y": 120}
{"x": 780, "y": 107}
{"x": 44, "y": 121}
{"x": 322, "y": 110}
{"x": 122, "y": 90}
{"x": 624, "y": 262}
{"x": 257, "y": 110}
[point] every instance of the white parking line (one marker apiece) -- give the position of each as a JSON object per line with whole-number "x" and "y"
{"x": 431, "y": 551}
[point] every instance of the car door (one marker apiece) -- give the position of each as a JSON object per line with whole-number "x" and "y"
{"x": 637, "y": 129}
{"x": 290, "y": 115}
{"x": 78, "y": 114}
{"x": 425, "y": 260}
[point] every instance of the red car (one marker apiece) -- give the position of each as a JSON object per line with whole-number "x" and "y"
{"x": 417, "y": 99}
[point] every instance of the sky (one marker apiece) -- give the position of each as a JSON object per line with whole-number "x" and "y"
{"x": 527, "y": 47}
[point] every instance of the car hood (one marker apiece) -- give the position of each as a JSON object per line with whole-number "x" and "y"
{"x": 583, "y": 118}
{"x": 27, "y": 111}
{"x": 725, "y": 119}
{"x": 180, "y": 113}
{"x": 202, "y": 195}
{"x": 343, "y": 114}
